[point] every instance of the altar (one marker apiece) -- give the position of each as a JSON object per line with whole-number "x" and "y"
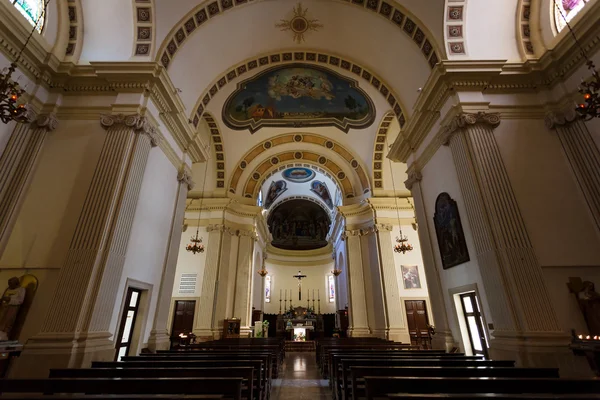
{"x": 301, "y": 333}
{"x": 299, "y": 324}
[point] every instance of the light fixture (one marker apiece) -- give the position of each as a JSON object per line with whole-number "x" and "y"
{"x": 336, "y": 272}
{"x": 196, "y": 245}
{"x": 263, "y": 272}
{"x": 589, "y": 88}
{"x": 402, "y": 245}
{"x": 11, "y": 109}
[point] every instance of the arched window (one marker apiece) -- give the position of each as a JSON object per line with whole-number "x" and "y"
{"x": 32, "y": 10}
{"x": 568, "y": 8}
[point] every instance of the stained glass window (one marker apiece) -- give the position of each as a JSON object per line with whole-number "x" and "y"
{"x": 268, "y": 289}
{"x": 331, "y": 284}
{"x": 567, "y": 8}
{"x": 32, "y": 10}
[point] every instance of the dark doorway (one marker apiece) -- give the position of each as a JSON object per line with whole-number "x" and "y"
{"x": 418, "y": 323}
{"x": 130, "y": 311}
{"x": 183, "y": 317}
{"x": 474, "y": 320}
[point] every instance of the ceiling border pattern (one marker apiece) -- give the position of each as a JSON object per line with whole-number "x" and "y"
{"x": 294, "y": 57}
{"x": 217, "y": 142}
{"x": 400, "y": 17}
{"x": 258, "y": 176}
{"x": 524, "y": 34}
{"x": 75, "y": 27}
{"x": 299, "y": 138}
{"x": 455, "y": 27}
{"x": 144, "y": 27}
{"x": 379, "y": 150}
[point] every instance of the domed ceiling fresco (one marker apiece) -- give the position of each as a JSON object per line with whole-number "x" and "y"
{"x": 298, "y": 95}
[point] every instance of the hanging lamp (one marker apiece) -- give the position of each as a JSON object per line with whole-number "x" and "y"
{"x": 195, "y": 245}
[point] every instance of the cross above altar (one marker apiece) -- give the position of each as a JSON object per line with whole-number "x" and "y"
{"x": 299, "y": 277}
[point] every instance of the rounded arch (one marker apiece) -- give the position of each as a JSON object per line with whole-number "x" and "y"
{"x": 259, "y": 175}
{"x": 144, "y": 19}
{"x": 75, "y": 42}
{"x": 407, "y": 23}
{"x": 288, "y": 57}
{"x": 291, "y": 138}
{"x": 315, "y": 200}
{"x": 455, "y": 27}
{"x": 379, "y": 150}
{"x": 218, "y": 147}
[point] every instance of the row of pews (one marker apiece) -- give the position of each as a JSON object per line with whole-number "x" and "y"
{"x": 373, "y": 369}
{"x": 232, "y": 369}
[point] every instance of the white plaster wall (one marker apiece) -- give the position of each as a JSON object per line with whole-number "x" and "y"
{"x": 343, "y": 277}
{"x": 439, "y": 175}
{"x": 282, "y": 280}
{"x": 257, "y": 280}
{"x": 189, "y": 263}
{"x": 556, "y": 214}
{"x": 411, "y": 258}
{"x": 149, "y": 236}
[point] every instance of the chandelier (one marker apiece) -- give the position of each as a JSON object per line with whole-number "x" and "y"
{"x": 11, "y": 107}
{"x": 263, "y": 272}
{"x": 195, "y": 245}
{"x": 589, "y": 88}
{"x": 336, "y": 272}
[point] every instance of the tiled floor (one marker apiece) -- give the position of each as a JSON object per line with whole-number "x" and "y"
{"x": 301, "y": 380}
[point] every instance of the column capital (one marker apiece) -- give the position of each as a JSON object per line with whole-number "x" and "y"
{"x": 463, "y": 120}
{"x": 383, "y": 227}
{"x": 46, "y": 121}
{"x": 414, "y": 176}
{"x": 351, "y": 233}
{"x": 185, "y": 178}
{"x": 216, "y": 228}
{"x": 554, "y": 119}
{"x": 137, "y": 122}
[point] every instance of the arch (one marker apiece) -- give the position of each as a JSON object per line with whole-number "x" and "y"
{"x": 379, "y": 150}
{"x": 74, "y": 44}
{"x": 144, "y": 17}
{"x": 526, "y": 46}
{"x": 396, "y": 13}
{"x": 320, "y": 203}
{"x": 217, "y": 142}
{"x": 455, "y": 27}
{"x": 286, "y": 57}
{"x": 298, "y": 138}
{"x": 326, "y": 166}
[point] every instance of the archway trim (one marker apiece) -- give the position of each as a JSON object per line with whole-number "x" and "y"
{"x": 379, "y": 150}
{"x": 144, "y": 17}
{"x": 455, "y": 27}
{"x": 217, "y": 142}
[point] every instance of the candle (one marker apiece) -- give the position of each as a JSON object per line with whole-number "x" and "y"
{"x": 319, "y": 294}
{"x": 313, "y": 294}
{"x": 307, "y": 294}
{"x": 280, "y": 292}
{"x": 286, "y": 294}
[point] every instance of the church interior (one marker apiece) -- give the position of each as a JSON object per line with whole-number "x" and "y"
{"x": 362, "y": 199}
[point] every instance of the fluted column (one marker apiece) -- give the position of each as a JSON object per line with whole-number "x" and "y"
{"x": 159, "y": 335}
{"x": 80, "y": 312}
{"x": 583, "y": 156}
{"x": 16, "y": 166}
{"x": 243, "y": 290}
{"x": 225, "y": 282}
{"x": 395, "y": 327}
{"x": 511, "y": 274}
{"x": 443, "y": 337}
{"x": 206, "y": 307}
{"x": 357, "y": 301}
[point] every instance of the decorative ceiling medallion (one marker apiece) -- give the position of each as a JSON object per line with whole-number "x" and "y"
{"x": 299, "y": 24}
{"x": 298, "y": 175}
{"x": 297, "y": 96}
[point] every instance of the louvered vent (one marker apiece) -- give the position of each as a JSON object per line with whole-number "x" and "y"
{"x": 187, "y": 284}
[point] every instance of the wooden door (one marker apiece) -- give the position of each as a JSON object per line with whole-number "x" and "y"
{"x": 418, "y": 322}
{"x": 183, "y": 317}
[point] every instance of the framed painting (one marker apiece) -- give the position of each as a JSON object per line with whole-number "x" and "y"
{"x": 449, "y": 232}
{"x": 410, "y": 277}
{"x": 275, "y": 190}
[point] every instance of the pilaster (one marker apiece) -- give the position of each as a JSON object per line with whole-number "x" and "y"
{"x": 17, "y": 164}
{"x": 582, "y": 153}
{"x": 93, "y": 267}
{"x": 373, "y": 282}
{"x": 242, "y": 301}
{"x": 159, "y": 335}
{"x": 357, "y": 301}
{"x": 225, "y": 282}
{"x": 443, "y": 338}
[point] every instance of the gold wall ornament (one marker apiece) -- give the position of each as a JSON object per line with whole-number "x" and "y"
{"x": 299, "y": 24}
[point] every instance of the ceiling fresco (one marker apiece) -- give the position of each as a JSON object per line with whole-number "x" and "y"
{"x": 298, "y": 95}
{"x": 298, "y": 174}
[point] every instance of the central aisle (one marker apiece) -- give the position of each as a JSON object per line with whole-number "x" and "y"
{"x": 301, "y": 379}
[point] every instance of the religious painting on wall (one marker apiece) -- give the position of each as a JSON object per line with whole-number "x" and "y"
{"x": 299, "y": 225}
{"x": 321, "y": 190}
{"x": 331, "y": 287}
{"x": 410, "y": 276}
{"x": 298, "y": 174}
{"x": 275, "y": 190}
{"x": 298, "y": 95}
{"x": 449, "y": 231}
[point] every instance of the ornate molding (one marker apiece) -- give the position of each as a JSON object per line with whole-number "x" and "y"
{"x": 554, "y": 119}
{"x": 185, "y": 178}
{"x": 413, "y": 177}
{"x": 137, "y": 122}
{"x": 376, "y": 228}
{"x": 49, "y": 122}
{"x": 232, "y": 231}
{"x": 463, "y": 120}
{"x": 383, "y": 227}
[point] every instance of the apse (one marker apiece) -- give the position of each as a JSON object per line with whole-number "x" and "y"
{"x": 299, "y": 224}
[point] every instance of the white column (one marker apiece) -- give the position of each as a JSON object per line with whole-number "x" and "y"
{"x": 159, "y": 335}
{"x": 357, "y": 301}
{"x": 583, "y": 156}
{"x": 243, "y": 291}
{"x": 443, "y": 336}
{"x": 17, "y": 164}
{"x": 224, "y": 283}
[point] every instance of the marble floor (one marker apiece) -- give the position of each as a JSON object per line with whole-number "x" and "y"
{"x": 300, "y": 379}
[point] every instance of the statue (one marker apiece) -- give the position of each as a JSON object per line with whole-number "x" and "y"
{"x": 589, "y": 303}
{"x": 12, "y": 299}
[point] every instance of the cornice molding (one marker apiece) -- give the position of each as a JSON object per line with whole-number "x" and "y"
{"x": 137, "y": 122}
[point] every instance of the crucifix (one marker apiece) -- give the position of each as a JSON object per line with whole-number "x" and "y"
{"x": 299, "y": 277}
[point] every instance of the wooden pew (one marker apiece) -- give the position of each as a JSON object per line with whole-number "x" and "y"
{"x": 113, "y": 397}
{"x": 261, "y": 379}
{"x": 378, "y": 387}
{"x": 494, "y": 396}
{"x": 230, "y": 388}
{"x": 356, "y": 389}
{"x": 247, "y": 373}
